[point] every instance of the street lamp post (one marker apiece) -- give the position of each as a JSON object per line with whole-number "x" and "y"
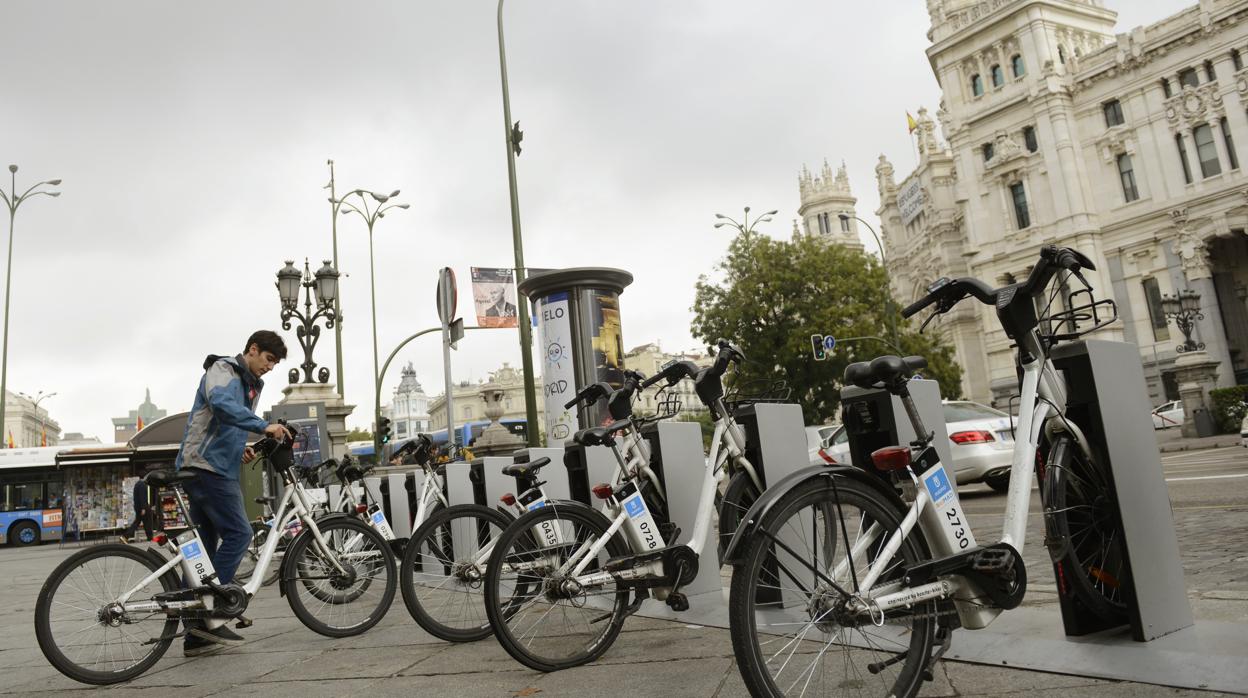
{"x": 325, "y": 282}
{"x": 39, "y": 397}
{"x": 513, "y": 136}
{"x": 370, "y": 214}
{"x": 746, "y": 226}
{"x": 12, "y": 200}
{"x": 333, "y": 222}
{"x": 1184, "y": 309}
{"x": 892, "y": 309}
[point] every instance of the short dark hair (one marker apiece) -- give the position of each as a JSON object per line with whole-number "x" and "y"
{"x": 267, "y": 340}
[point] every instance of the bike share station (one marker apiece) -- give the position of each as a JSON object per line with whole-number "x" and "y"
{"x": 1157, "y": 642}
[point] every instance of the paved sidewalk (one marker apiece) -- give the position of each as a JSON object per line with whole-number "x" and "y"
{"x": 1171, "y": 440}
{"x": 282, "y": 658}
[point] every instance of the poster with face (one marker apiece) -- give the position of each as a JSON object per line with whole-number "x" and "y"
{"x": 558, "y": 377}
{"x": 494, "y": 297}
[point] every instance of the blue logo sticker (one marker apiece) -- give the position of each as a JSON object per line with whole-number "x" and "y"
{"x": 191, "y": 550}
{"x": 378, "y": 517}
{"x": 537, "y": 505}
{"x": 634, "y": 506}
{"x": 938, "y": 485}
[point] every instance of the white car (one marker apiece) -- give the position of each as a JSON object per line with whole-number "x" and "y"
{"x": 1168, "y": 415}
{"x": 1243, "y": 431}
{"x": 817, "y": 438}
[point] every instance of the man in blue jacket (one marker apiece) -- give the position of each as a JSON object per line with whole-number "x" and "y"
{"x": 215, "y": 446}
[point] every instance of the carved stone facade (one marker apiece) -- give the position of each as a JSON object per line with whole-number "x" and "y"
{"x": 824, "y": 198}
{"x": 1126, "y": 147}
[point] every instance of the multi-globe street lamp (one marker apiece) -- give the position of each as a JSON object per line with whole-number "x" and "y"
{"x": 1184, "y": 309}
{"x": 357, "y": 201}
{"x": 892, "y": 309}
{"x": 12, "y": 200}
{"x": 325, "y": 283}
{"x": 746, "y": 226}
{"x": 333, "y": 222}
{"x": 43, "y": 426}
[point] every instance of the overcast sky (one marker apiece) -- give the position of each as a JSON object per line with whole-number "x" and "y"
{"x": 192, "y": 141}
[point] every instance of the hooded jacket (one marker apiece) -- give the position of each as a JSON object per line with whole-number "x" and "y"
{"x": 224, "y": 411}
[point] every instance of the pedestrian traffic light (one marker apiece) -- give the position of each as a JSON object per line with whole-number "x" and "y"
{"x": 383, "y": 429}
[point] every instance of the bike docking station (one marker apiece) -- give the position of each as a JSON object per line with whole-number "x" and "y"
{"x": 1156, "y": 640}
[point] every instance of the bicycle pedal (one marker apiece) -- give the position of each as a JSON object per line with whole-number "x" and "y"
{"x": 678, "y": 601}
{"x": 243, "y": 622}
{"x": 670, "y": 531}
{"x": 992, "y": 560}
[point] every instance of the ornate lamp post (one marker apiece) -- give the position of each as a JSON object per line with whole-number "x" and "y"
{"x": 38, "y": 398}
{"x": 1184, "y": 309}
{"x": 370, "y": 214}
{"x": 12, "y": 200}
{"x": 325, "y": 283}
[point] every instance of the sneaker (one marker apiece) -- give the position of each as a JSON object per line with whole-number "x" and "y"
{"x": 221, "y": 635}
{"x": 124, "y": 540}
{"x": 194, "y": 646}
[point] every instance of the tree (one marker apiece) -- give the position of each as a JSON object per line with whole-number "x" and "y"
{"x": 358, "y": 434}
{"x": 775, "y": 294}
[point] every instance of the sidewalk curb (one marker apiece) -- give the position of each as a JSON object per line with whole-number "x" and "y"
{"x": 1175, "y": 448}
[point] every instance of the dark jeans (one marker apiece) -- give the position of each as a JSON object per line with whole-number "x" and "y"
{"x": 141, "y": 516}
{"x": 217, "y": 508}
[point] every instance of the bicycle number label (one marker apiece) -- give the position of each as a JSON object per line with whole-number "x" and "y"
{"x": 379, "y": 522}
{"x": 645, "y": 532}
{"x": 948, "y": 514}
{"x": 196, "y": 564}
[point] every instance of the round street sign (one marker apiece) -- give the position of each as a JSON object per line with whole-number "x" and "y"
{"x": 829, "y": 342}
{"x": 448, "y": 295}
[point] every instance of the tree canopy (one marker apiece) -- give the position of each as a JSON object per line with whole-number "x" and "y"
{"x": 775, "y": 294}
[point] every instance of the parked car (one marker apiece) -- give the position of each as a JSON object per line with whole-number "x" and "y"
{"x": 1243, "y": 431}
{"x": 980, "y": 442}
{"x": 817, "y": 438}
{"x": 1169, "y": 414}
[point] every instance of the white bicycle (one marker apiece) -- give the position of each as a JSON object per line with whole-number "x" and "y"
{"x": 108, "y": 613}
{"x": 842, "y": 587}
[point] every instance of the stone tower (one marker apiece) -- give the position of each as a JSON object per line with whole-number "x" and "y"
{"x": 824, "y": 198}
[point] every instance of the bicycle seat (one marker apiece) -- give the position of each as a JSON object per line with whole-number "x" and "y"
{"x": 165, "y": 478}
{"x": 265, "y": 500}
{"x": 889, "y": 370}
{"x": 599, "y": 436}
{"x": 528, "y": 469}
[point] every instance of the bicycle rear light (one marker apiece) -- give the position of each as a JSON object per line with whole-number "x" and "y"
{"x": 603, "y": 491}
{"x": 509, "y": 499}
{"x": 361, "y": 508}
{"x": 975, "y": 436}
{"x": 160, "y": 539}
{"x": 891, "y": 458}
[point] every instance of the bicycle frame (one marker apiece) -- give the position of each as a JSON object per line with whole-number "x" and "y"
{"x": 294, "y": 503}
{"x": 430, "y": 494}
{"x": 1042, "y": 407}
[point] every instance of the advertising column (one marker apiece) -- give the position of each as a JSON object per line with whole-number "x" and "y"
{"x": 577, "y": 312}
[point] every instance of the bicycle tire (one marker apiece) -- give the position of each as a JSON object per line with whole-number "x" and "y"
{"x": 507, "y": 601}
{"x": 368, "y": 561}
{"x": 739, "y": 496}
{"x": 1082, "y": 517}
{"x": 794, "y": 618}
{"x": 100, "y": 576}
{"x": 431, "y": 552}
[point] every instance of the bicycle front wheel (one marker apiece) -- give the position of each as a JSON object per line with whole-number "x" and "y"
{"x": 797, "y": 622}
{"x": 548, "y": 618}
{"x": 1082, "y": 516}
{"x": 82, "y": 629}
{"x": 443, "y": 571}
{"x": 345, "y": 586}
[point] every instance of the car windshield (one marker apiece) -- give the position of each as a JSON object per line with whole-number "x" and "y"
{"x": 963, "y": 411}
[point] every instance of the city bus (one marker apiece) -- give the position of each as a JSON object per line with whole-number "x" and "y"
{"x": 32, "y": 491}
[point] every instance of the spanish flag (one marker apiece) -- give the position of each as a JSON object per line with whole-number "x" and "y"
{"x": 138, "y": 425}
{"x": 11, "y": 444}
{"x": 43, "y": 439}
{"x": 911, "y": 123}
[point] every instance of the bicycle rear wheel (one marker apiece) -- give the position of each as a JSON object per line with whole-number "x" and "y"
{"x": 84, "y": 633}
{"x": 443, "y": 571}
{"x": 547, "y": 620}
{"x": 342, "y": 588}
{"x": 1082, "y": 518}
{"x": 739, "y": 496}
{"x": 794, "y": 630}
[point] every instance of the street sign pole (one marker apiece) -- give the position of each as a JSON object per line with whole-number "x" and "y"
{"x": 446, "y": 311}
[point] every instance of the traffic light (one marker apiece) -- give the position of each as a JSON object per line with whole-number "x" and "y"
{"x": 383, "y": 429}
{"x": 816, "y": 343}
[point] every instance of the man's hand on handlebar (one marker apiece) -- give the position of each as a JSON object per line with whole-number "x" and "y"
{"x": 278, "y": 431}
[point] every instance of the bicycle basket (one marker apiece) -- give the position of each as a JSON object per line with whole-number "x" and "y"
{"x": 755, "y": 391}
{"x": 1085, "y": 315}
{"x": 666, "y": 408}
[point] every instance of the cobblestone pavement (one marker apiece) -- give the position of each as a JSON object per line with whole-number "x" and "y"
{"x": 282, "y": 658}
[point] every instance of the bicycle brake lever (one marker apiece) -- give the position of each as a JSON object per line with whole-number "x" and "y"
{"x": 928, "y": 321}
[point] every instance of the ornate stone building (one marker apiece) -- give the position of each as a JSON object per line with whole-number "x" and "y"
{"x": 469, "y": 407}
{"x": 27, "y": 422}
{"x": 823, "y": 199}
{"x": 1060, "y": 132}
{"x": 408, "y": 410}
{"x": 649, "y": 359}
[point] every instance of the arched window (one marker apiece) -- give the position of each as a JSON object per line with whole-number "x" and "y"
{"x": 1021, "y": 215}
{"x": 1061, "y": 54}
{"x": 998, "y": 76}
{"x": 1016, "y": 65}
{"x": 977, "y": 85}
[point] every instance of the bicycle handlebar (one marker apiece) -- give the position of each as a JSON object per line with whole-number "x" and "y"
{"x": 948, "y": 292}
{"x": 674, "y": 374}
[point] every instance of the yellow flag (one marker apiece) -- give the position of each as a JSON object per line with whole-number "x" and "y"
{"x": 911, "y": 123}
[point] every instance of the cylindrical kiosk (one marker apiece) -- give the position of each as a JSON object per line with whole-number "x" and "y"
{"x": 581, "y": 340}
